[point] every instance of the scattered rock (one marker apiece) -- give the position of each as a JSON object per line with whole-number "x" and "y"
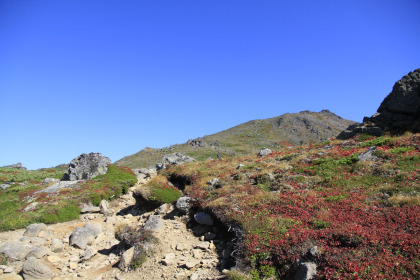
{"x": 34, "y": 269}
{"x": 51, "y": 181}
{"x": 126, "y": 259}
{"x": 34, "y": 229}
{"x": 170, "y": 159}
{"x": 15, "y": 250}
{"x": 169, "y": 259}
{"x": 89, "y": 208}
{"x": 86, "y": 167}
{"x": 58, "y": 186}
{"x": 190, "y": 264}
{"x": 183, "y": 204}
{"x": 154, "y": 223}
{"x": 81, "y": 237}
{"x": 164, "y": 209}
{"x": 57, "y": 245}
{"x": 264, "y": 152}
{"x": 104, "y": 208}
{"x": 10, "y": 276}
{"x": 203, "y": 219}
{"x": 38, "y": 252}
{"x": 89, "y": 253}
{"x": 368, "y": 155}
{"x": 215, "y": 183}
{"x": 15, "y": 166}
{"x": 5, "y": 186}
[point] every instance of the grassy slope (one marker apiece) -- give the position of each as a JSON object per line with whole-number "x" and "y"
{"x": 55, "y": 207}
{"x": 363, "y": 216}
{"x": 249, "y": 137}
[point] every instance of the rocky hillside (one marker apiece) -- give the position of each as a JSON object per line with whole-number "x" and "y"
{"x": 286, "y": 130}
{"x": 398, "y": 112}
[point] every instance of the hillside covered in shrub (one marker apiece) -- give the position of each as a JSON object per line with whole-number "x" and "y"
{"x": 358, "y": 201}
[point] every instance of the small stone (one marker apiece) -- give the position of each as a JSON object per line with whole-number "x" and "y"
{"x": 197, "y": 253}
{"x": 154, "y": 223}
{"x": 37, "y": 252}
{"x": 169, "y": 259}
{"x": 57, "y": 245}
{"x": 53, "y": 259}
{"x": 73, "y": 265}
{"x": 181, "y": 247}
{"x": 194, "y": 276}
{"x": 8, "y": 270}
{"x": 34, "y": 229}
{"x": 191, "y": 264}
{"x": 203, "y": 245}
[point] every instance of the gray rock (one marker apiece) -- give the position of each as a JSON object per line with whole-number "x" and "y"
{"x": 203, "y": 219}
{"x": 398, "y": 112}
{"x": 89, "y": 208}
{"x": 87, "y": 166}
{"x": 81, "y": 237}
{"x": 15, "y": 250}
{"x": 38, "y": 252}
{"x": 50, "y": 180}
{"x": 183, "y": 204}
{"x": 154, "y": 223}
{"x": 215, "y": 183}
{"x": 15, "y": 166}
{"x": 89, "y": 253}
{"x": 5, "y": 186}
{"x": 34, "y": 229}
{"x": 10, "y": 276}
{"x": 57, "y": 245}
{"x": 35, "y": 241}
{"x": 368, "y": 155}
{"x": 126, "y": 259}
{"x": 104, "y": 208}
{"x": 305, "y": 268}
{"x": 264, "y": 152}
{"x": 34, "y": 269}
{"x": 170, "y": 159}
{"x": 58, "y": 186}
{"x": 8, "y": 269}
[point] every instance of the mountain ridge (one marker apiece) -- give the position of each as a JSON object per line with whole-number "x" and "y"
{"x": 288, "y": 129}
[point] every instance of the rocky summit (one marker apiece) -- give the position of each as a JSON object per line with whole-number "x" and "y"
{"x": 286, "y": 130}
{"x": 398, "y": 112}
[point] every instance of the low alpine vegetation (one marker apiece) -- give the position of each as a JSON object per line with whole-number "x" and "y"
{"x": 358, "y": 201}
{"x": 23, "y": 202}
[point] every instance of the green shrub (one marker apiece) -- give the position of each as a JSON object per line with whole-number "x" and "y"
{"x": 165, "y": 194}
{"x": 65, "y": 213}
{"x": 380, "y": 141}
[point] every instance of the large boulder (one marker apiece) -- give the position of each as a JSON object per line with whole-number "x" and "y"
{"x": 87, "y": 166}
{"x": 81, "y": 237}
{"x": 35, "y": 269}
{"x": 15, "y": 250}
{"x": 398, "y": 112}
{"x": 173, "y": 159}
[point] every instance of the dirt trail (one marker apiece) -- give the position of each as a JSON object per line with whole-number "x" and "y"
{"x": 178, "y": 255}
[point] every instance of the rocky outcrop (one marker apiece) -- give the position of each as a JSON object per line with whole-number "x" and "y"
{"x": 398, "y": 112}
{"x": 173, "y": 159}
{"x": 86, "y": 167}
{"x": 15, "y": 166}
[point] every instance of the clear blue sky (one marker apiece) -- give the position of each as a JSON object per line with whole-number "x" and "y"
{"x": 117, "y": 76}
